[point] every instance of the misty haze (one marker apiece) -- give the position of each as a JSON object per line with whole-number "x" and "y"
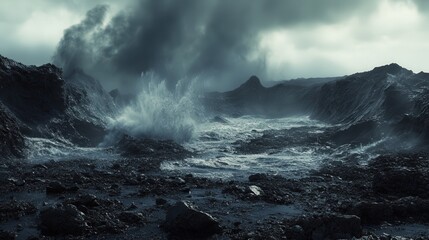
{"x": 214, "y": 119}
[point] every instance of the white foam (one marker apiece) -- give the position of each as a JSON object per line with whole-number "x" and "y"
{"x": 216, "y": 156}
{"x": 42, "y": 150}
{"x": 159, "y": 112}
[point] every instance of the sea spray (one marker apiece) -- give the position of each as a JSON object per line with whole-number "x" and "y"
{"x": 159, "y": 112}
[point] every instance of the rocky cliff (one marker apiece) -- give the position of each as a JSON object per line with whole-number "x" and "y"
{"x": 385, "y": 93}
{"x": 391, "y": 99}
{"x": 41, "y": 102}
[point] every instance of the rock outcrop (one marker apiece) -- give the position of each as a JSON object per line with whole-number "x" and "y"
{"x": 253, "y": 98}
{"x": 62, "y": 220}
{"x": 11, "y": 139}
{"x": 384, "y": 93}
{"x": 386, "y": 101}
{"x": 41, "y": 102}
{"x": 183, "y": 220}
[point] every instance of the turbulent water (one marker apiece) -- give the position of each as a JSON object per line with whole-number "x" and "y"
{"x": 214, "y": 143}
{"x": 162, "y": 113}
{"x": 216, "y": 155}
{"x": 159, "y": 112}
{"x": 42, "y": 150}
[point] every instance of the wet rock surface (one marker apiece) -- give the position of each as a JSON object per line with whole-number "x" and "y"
{"x": 15, "y": 209}
{"x": 12, "y": 141}
{"x": 183, "y": 220}
{"x": 125, "y": 199}
{"x": 130, "y": 198}
{"x": 149, "y": 148}
{"x": 62, "y": 220}
{"x": 325, "y": 227}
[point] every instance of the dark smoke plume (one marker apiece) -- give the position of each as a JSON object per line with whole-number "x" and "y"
{"x": 217, "y": 39}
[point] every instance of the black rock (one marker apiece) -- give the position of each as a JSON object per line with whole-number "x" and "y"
{"x": 160, "y": 201}
{"x": 43, "y": 102}
{"x": 402, "y": 182}
{"x": 11, "y": 139}
{"x": 16, "y": 209}
{"x": 6, "y": 235}
{"x": 131, "y": 217}
{"x": 184, "y": 220}
{"x": 58, "y": 188}
{"x": 134, "y": 147}
{"x": 87, "y": 200}
{"x": 55, "y": 188}
{"x": 325, "y": 227}
{"x": 401, "y": 175}
{"x": 391, "y": 211}
{"x": 258, "y": 177}
{"x": 373, "y": 212}
{"x": 62, "y": 220}
{"x": 296, "y": 232}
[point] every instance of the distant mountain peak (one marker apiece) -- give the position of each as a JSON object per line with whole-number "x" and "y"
{"x": 253, "y": 82}
{"x": 392, "y": 68}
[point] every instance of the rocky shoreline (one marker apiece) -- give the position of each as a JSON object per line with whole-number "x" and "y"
{"x": 133, "y": 199}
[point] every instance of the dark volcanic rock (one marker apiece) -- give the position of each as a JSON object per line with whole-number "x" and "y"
{"x": 46, "y": 105}
{"x": 402, "y": 182}
{"x": 325, "y": 227}
{"x": 87, "y": 200}
{"x": 373, "y": 212}
{"x": 258, "y": 177}
{"x": 416, "y": 125}
{"x": 131, "y": 217}
{"x": 401, "y": 175}
{"x": 58, "y": 188}
{"x": 160, "y": 201}
{"x": 133, "y": 147}
{"x": 62, "y": 220}
{"x": 15, "y": 209}
{"x": 6, "y": 235}
{"x": 408, "y": 208}
{"x": 380, "y": 93}
{"x": 34, "y": 94}
{"x": 185, "y": 221}
{"x": 11, "y": 140}
{"x": 359, "y": 133}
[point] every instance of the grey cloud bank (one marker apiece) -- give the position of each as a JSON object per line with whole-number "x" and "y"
{"x": 218, "y": 39}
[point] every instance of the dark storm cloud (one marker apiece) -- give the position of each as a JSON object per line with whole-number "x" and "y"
{"x": 75, "y": 48}
{"x": 178, "y": 38}
{"x": 423, "y": 5}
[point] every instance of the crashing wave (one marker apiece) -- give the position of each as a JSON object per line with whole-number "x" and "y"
{"x": 159, "y": 112}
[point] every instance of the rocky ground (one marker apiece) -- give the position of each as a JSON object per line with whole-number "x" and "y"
{"x": 132, "y": 199}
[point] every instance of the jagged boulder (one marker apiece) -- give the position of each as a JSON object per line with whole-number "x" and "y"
{"x": 183, "y": 220}
{"x": 149, "y": 148}
{"x": 62, "y": 220}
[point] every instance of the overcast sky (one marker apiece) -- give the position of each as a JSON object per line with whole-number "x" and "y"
{"x": 278, "y": 39}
